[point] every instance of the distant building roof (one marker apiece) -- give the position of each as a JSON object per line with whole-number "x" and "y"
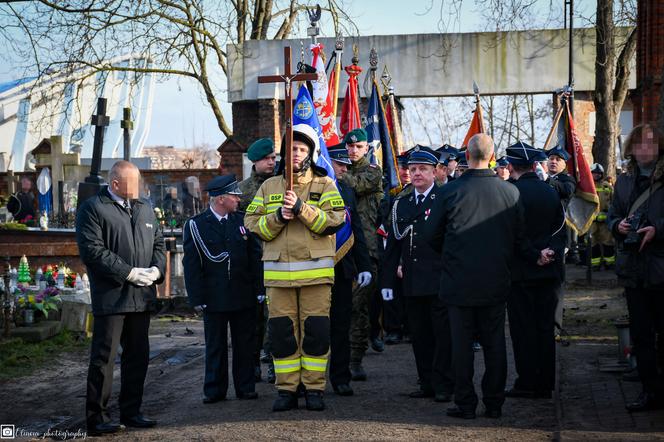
{"x": 14, "y": 83}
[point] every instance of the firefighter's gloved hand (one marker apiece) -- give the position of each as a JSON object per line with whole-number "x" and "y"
{"x": 387, "y": 294}
{"x": 364, "y": 279}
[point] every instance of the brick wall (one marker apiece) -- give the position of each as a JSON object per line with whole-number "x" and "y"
{"x": 649, "y": 59}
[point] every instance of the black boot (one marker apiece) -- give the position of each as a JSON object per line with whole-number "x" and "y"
{"x": 314, "y": 400}
{"x": 357, "y": 372}
{"x": 285, "y": 401}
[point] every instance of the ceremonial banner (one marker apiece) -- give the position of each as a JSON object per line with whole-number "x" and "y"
{"x": 350, "y": 110}
{"x": 476, "y": 127}
{"x": 584, "y": 204}
{"x": 380, "y": 142}
{"x": 321, "y": 98}
{"x": 304, "y": 113}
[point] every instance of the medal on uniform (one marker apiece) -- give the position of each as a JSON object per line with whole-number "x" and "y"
{"x": 426, "y": 214}
{"x": 243, "y": 232}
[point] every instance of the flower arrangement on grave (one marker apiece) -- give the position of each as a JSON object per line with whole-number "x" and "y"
{"x": 44, "y": 301}
{"x": 70, "y": 279}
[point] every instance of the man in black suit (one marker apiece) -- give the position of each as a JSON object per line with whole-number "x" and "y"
{"x": 414, "y": 242}
{"x": 120, "y": 243}
{"x": 531, "y": 303}
{"x": 482, "y": 226}
{"x": 223, "y": 277}
{"x": 355, "y": 264}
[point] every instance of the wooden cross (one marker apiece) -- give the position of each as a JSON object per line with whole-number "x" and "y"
{"x": 287, "y": 78}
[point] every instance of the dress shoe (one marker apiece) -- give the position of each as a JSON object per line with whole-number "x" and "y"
{"x": 443, "y": 397}
{"x": 271, "y": 375}
{"x": 357, "y": 372}
{"x": 285, "y": 401}
{"x": 392, "y": 339}
{"x": 458, "y": 412}
{"x": 343, "y": 390}
{"x": 645, "y": 402}
{"x": 138, "y": 421}
{"x": 213, "y": 400}
{"x": 314, "y": 400}
{"x": 258, "y": 376}
{"x": 493, "y": 413}
{"x": 249, "y": 395}
{"x": 104, "y": 428}
{"x": 377, "y": 345}
{"x": 519, "y": 393}
{"x": 419, "y": 394}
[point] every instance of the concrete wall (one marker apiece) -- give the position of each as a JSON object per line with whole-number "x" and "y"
{"x": 435, "y": 65}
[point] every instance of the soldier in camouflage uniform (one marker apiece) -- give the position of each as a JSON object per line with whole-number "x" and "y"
{"x": 261, "y": 153}
{"x": 366, "y": 180}
{"x": 600, "y": 235}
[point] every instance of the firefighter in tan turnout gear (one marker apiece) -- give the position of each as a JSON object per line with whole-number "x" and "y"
{"x": 298, "y": 228}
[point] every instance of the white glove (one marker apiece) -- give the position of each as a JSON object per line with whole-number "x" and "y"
{"x": 260, "y": 298}
{"x": 364, "y": 279}
{"x": 153, "y": 272}
{"x": 388, "y": 294}
{"x": 199, "y": 308}
{"x": 138, "y": 276}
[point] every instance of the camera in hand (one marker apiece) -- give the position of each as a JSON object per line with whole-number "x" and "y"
{"x": 633, "y": 239}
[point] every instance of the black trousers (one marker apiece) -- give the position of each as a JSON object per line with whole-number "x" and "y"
{"x": 489, "y": 322}
{"x": 394, "y": 315}
{"x": 432, "y": 346}
{"x": 341, "y": 310}
{"x": 243, "y": 329}
{"x": 531, "y": 307}
{"x": 375, "y": 312}
{"x": 646, "y": 319}
{"x": 131, "y": 331}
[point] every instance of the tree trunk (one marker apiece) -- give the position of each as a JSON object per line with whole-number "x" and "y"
{"x": 606, "y": 113}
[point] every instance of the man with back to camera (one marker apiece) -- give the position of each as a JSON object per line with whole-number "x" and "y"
{"x": 120, "y": 243}
{"x": 532, "y": 299}
{"x": 482, "y": 226}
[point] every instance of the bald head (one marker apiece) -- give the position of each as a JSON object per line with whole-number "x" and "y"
{"x": 123, "y": 179}
{"x": 480, "y": 151}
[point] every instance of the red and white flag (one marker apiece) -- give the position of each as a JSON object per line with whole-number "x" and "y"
{"x": 350, "y": 111}
{"x": 322, "y": 103}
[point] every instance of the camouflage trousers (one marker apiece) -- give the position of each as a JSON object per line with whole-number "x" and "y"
{"x": 360, "y": 325}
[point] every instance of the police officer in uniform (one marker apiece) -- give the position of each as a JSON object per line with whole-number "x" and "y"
{"x": 600, "y": 235}
{"x": 414, "y": 242}
{"x": 222, "y": 273}
{"x": 531, "y": 302}
{"x": 355, "y": 263}
{"x": 261, "y": 154}
{"x": 298, "y": 227}
{"x": 366, "y": 180}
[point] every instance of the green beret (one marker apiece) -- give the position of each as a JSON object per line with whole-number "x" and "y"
{"x": 355, "y": 136}
{"x": 259, "y": 149}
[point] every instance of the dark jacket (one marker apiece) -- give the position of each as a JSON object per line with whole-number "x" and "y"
{"x": 357, "y": 259}
{"x": 545, "y": 227}
{"x": 110, "y": 244}
{"x": 419, "y": 252}
{"x": 482, "y": 226}
{"x": 634, "y": 267}
{"x": 232, "y": 284}
{"x": 564, "y": 184}
{"x": 21, "y": 205}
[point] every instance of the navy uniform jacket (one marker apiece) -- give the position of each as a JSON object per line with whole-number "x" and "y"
{"x": 545, "y": 227}
{"x": 483, "y": 228}
{"x": 232, "y": 284}
{"x": 419, "y": 253}
{"x": 357, "y": 259}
